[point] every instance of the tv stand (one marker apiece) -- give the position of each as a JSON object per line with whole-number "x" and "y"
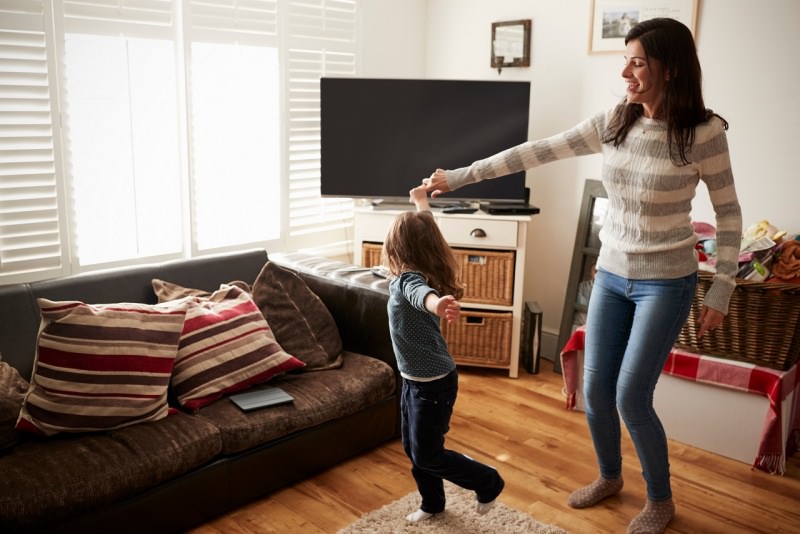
{"x": 491, "y": 252}
{"x": 381, "y": 204}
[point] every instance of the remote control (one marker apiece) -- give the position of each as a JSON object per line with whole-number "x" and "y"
{"x": 459, "y": 209}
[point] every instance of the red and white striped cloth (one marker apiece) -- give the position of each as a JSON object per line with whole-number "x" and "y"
{"x": 773, "y": 384}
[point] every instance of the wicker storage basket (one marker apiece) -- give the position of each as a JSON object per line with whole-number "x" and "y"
{"x": 762, "y": 326}
{"x": 488, "y": 275}
{"x": 480, "y": 338}
{"x": 370, "y": 254}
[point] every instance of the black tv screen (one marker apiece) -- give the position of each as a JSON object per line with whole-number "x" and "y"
{"x": 381, "y": 136}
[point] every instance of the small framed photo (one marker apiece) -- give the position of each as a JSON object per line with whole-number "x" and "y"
{"x": 611, "y": 20}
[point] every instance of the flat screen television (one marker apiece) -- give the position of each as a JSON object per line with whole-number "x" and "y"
{"x": 381, "y": 136}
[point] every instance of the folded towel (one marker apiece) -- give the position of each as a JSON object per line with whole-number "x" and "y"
{"x": 786, "y": 265}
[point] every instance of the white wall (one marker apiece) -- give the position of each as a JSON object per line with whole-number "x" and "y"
{"x": 750, "y": 78}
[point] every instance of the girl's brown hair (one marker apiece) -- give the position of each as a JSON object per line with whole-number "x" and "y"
{"x": 415, "y": 243}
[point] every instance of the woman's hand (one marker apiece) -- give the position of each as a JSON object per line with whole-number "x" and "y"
{"x": 709, "y": 319}
{"x": 436, "y": 184}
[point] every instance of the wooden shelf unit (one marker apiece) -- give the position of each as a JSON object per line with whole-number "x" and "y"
{"x": 491, "y": 250}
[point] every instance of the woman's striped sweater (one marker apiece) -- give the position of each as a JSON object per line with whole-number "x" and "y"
{"x": 647, "y": 233}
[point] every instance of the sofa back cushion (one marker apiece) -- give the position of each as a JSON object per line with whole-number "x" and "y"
{"x": 302, "y": 323}
{"x": 226, "y": 346}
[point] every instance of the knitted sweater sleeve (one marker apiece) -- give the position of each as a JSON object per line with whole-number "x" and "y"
{"x": 710, "y": 155}
{"x": 581, "y": 140}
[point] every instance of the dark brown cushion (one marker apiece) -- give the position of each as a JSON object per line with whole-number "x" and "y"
{"x": 12, "y": 391}
{"x": 48, "y": 480}
{"x": 302, "y": 323}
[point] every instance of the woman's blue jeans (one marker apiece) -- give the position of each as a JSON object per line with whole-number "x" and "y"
{"x": 631, "y": 328}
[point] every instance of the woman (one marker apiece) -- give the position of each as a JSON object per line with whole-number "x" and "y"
{"x": 657, "y": 145}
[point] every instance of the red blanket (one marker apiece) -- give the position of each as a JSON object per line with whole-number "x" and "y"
{"x": 773, "y": 384}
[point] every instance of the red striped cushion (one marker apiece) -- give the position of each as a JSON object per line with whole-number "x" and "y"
{"x": 100, "y": 367}
{"x": 226, "y": 346}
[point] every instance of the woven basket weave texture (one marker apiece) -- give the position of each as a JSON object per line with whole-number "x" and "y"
{"x": 762, "y": 326}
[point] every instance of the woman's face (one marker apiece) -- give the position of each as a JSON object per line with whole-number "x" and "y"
{"x": 645, "y": 78}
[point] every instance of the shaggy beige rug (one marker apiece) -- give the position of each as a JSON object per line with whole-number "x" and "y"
{"x": 459, "y": 518}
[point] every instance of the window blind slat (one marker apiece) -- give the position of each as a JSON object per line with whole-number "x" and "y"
{"x": 150, "y": 12}
{"x": 245, "y": 16}
{"x": 30, "y": 235}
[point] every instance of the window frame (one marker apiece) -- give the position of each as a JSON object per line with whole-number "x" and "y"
{"x": 328, "y": 28}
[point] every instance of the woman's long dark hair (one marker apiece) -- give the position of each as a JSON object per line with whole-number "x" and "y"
{"x": 671, "y": 43}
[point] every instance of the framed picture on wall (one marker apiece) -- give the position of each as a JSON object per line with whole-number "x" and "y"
{"x": 611, "y": 20}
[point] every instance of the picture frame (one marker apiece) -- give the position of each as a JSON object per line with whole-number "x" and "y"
{"x": 611, "y": 20}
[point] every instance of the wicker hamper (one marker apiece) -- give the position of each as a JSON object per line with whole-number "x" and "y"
{"x": 762, "y": 326}
{"x": 488, "y": 276}
{"x": 480, "y": 338}
{"x": 370, "y": 254}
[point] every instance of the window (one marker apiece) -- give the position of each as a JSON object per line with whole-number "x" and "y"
{"x": 188, "y": 127}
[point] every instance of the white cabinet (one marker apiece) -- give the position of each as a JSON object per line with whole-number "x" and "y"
{"x": 491, "y": 251}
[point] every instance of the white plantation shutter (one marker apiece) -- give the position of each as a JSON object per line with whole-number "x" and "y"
{"x": 129, "y": 147}
{"x": 109, "y": 16}
{"x": 121, "y": 112}
{"x": 258, "y": 17}
{"x": 233, "y": 83}
{"x": 321, "y": 42}
{"x": 31, "y": 232}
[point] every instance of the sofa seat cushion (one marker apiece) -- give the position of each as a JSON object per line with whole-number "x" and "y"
{"x": 47, "y": 480}
{"x": 360, "y": 382}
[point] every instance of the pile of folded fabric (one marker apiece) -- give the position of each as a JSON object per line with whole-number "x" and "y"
{"x": 766, "y": 253}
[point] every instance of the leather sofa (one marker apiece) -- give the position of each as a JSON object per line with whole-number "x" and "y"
{"x": 182, "y": 470}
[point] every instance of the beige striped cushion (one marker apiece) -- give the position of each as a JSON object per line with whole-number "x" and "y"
{"x": 226, "y": 346}
{"x": 100, "y": 367}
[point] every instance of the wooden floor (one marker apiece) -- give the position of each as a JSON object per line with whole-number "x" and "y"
{"x": 544, "y": 452}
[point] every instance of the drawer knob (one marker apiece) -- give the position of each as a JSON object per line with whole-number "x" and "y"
{"x": 477, "y": 232}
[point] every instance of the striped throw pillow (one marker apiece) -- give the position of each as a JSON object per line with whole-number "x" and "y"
{"x": 100, "y": 367}
{"x": 226, "y": 346}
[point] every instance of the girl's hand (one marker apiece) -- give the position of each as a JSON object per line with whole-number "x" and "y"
{"x": 709, "y": 319}
{"x": 419, "y": 196}
{"x": 436, "y": 184}
{"x": 448, "y": 308}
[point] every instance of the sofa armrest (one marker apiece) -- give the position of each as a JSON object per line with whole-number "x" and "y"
{"x": 355, "y": 297}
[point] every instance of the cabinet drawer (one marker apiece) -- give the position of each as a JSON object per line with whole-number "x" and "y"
{"x": 374, "y": 226}
{"x": 479, "y": 233}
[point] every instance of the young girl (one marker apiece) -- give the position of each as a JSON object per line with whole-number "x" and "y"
{"x": 424, "y": 288}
